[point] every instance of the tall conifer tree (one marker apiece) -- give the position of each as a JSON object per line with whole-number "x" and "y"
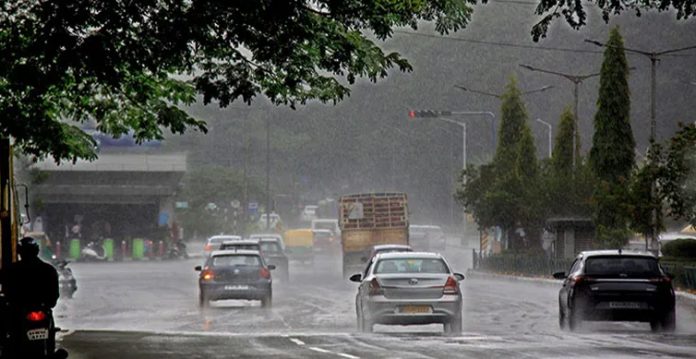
{"x": 612, "y": 155}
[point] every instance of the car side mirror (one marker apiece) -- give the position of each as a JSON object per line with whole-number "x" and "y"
{"x": 356, "y": 278}
{"x": 197, "y": 268}
{"x": 271, "y": 267}
{"x": 559, "y": 275}
{"x": 459, "y": 276}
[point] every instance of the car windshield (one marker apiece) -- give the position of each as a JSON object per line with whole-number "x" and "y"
{"x": 411, "y": 265}
{"x": 240, "y": 246}
{"x": 270, "y": 247}
{"x": 218, "y": 240}
{"x": 236, "y": 260}
{"x": 618, "y": 266}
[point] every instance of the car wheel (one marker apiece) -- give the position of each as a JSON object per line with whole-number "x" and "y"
{"x": 454, "y": 325}
{"x": 574, "y": 319}
{"x": 203, "y": 300}
{"x": 669, "y": 321}
{"x": 561, "y": 318}
{"x": 267, "y": 301}
{"x": 655, "y": 325}
{"x": 367, "y": 324}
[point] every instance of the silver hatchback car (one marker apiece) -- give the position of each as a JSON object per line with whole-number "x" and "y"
{"x": 405, "y": 288}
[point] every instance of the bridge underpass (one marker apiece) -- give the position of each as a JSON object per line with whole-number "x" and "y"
{"x": 118, "y": 196}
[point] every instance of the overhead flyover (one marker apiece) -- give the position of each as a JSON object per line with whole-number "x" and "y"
{"x": 117, "y": 195}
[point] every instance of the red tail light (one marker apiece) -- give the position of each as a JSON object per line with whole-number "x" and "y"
{"x": 665, "y": 280}
{"x": 207, "y": 275}
{"x": 579, "y": 279}
{"x": 451, "y": 286}
{"x": 375, "y": 288}
{"x": 265, "y": 273}
{"x": 208, "y": 247}
{"x": 36, "y": 316}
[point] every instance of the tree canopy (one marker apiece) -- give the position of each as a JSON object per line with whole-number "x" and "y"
{"x": 575, "y": 15}
{"x": 129, "y": 65}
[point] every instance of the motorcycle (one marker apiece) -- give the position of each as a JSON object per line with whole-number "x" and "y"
{"x": 93, "y": 252}
{"x": 33, "y": 336}
{"x": 66, "y": 281}
{"x": 178, "y": 250}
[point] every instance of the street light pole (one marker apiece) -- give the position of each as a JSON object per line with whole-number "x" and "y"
{"x": 550, "y": 127}
{"x": 654, "y": 57}
{"x": 498, "y": 96}
{"x": 576, "y": 80}
{"x": 268, "y": 172}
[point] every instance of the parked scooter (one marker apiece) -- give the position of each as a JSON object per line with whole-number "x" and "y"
{"x": 178, "y": 250}
{"x": 66, "y": 281}
{"x": 93, "y": 252}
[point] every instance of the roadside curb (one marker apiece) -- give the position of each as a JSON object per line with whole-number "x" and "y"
{"x": 475, "y": 273}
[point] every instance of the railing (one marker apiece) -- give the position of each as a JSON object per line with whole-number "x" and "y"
{"x": 525, "y": 264}
{"x": 539, "y": 265}
{"x": 684, "y": 273}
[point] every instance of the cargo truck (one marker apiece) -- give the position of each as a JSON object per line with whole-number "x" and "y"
{"x": 367, "y": 220}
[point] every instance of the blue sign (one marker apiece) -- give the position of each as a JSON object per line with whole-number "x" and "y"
{"x": 253, "y": 207}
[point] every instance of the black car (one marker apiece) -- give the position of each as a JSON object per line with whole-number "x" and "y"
{"x": 235, "y": 274}
{"x": 612, "y": 285}
{"x": 273, "y": 253}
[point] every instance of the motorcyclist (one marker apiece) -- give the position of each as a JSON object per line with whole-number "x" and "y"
{"x": 30, "y": 282}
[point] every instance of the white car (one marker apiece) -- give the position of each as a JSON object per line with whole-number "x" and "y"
{"x": 330, "y": 224}
{"x": 213, "y": 243}
{"x": 309, "y": 213}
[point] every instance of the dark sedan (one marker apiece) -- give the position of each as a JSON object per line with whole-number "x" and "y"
{"x": 273, "y": 253}
{"x": 613, "y": 285}
{"x": 235, "y": 274}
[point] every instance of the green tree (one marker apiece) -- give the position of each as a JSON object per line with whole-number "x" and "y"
{"x": 530, "y": 214}
{"x": 568, "y": 188}
{"x": 130, "y": 65}
{"x": 612, "y": 156}
{"x": 506, "y": 192}
{"x": 575, "y": 14}
{"x": 562, "y": 158}
{"x": 513, "y": 120}
{"x": 678, "y": 180}
{"x": 209, "y": 191}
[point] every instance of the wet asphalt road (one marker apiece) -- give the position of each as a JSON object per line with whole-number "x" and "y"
{"x": 150, "y": 310}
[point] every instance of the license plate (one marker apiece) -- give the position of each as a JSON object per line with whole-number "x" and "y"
{"x": 415, "y": 309}
{"x": 236, "y": 287}
{"x": 624, "y": 305}
{"x": 37, "y": 334}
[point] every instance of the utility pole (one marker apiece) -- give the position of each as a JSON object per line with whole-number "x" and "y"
{"x": 576, "y": 80}
{"x": 550, "y": 127}
{"x": 654, "y": 57}
{"x": 268, "y": 171}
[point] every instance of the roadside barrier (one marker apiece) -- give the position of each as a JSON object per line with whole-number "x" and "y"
{"x": 58, "y": 250}
{"x": 138, "y": 249}
{"x": 124, "y": 250}
{"x": 75, "y": 248}
{"x": 109, "y": 249}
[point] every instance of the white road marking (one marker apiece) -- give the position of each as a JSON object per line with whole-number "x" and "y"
{"x": 322, "y": 350}
{"x": 297, "y": 341}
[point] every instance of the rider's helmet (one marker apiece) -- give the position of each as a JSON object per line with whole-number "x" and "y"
{"x": 28, "y": 248}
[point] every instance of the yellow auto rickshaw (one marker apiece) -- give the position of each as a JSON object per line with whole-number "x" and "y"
{"x": 299, "y": 245}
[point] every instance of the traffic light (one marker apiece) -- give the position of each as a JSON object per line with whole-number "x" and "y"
{"x": 428, "y": 113}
